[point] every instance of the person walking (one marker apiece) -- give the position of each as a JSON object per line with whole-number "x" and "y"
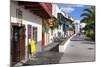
{"x": 32, "y": 48}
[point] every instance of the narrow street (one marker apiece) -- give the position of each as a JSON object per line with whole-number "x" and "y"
{"x": 45, "y": 33}
{"x": 80, "y": 49}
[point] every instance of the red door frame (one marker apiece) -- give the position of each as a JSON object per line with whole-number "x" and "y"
{"x": 43, "y": 39}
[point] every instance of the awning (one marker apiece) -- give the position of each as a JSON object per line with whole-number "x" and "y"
{"x": 43, "y": 10}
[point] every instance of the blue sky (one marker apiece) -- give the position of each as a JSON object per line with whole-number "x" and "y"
{"x": 73, "y": 10}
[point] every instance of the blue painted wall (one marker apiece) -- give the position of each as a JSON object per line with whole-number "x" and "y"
{"x": 39, "y": 46}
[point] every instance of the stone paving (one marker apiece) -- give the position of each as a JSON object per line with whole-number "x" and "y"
{"x": 80, "y": 49}
{"x": 50, "y": 57}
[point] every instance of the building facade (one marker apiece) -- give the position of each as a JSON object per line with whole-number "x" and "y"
{"x": 26, "y": 23}
{"x": 40, "y": 21}
{"x": 77, "y": 26}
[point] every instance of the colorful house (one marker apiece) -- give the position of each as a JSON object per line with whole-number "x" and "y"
{"x": 26, "y": 22}
{"x": 66, "y": 22}
{"x": 40, "y": 21}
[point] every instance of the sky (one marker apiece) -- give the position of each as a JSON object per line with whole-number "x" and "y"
{"x": 73, "y": 10}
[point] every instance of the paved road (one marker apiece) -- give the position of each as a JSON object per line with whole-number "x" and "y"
{"x": 78, "y": 50}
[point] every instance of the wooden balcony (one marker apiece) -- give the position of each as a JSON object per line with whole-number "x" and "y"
{"x": 44, "y": 10}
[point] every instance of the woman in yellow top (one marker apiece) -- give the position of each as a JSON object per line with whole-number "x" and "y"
{"x": 32, "y": 47}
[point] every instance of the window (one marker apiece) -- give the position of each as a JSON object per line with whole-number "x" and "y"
{"x": 19, "y": 15}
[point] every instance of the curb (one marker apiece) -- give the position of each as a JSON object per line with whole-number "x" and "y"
{"x": 20, "y": 63}
{"x": 63, "y": 47}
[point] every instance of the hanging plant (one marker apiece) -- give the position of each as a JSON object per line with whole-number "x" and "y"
{"x": 45, "y": 27}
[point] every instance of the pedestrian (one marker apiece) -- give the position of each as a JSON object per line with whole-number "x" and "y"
{"x": 32, "y": 48}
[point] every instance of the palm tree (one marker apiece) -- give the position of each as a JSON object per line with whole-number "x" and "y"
{"x": 89, "y": 19}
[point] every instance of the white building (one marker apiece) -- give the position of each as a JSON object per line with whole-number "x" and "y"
{"x": 55, "y": 11}
{"x": 77, "y": 26}
{"x": 52, "y": 33}
{"x": 25, "y": 25}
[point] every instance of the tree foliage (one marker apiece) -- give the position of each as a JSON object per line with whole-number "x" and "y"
{"x": 89, "y": 18}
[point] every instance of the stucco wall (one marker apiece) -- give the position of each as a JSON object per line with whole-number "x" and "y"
{"x": 28, "y": 18}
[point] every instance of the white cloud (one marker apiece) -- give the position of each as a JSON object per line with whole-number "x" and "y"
{"x": 67, "y": 9}
{"x": 79, "y": 5}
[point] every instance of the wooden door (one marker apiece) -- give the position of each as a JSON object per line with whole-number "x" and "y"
{"x": 17, "y": 44}
{"x": 22, "y": 43}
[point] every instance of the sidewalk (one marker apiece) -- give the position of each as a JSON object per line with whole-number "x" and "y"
{"x": 49, "y": 57}
{"x": 80, "y": 49}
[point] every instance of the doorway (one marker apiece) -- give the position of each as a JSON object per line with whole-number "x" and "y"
{"x": 35, "y": 34}
{"x": 17, "y": 43}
